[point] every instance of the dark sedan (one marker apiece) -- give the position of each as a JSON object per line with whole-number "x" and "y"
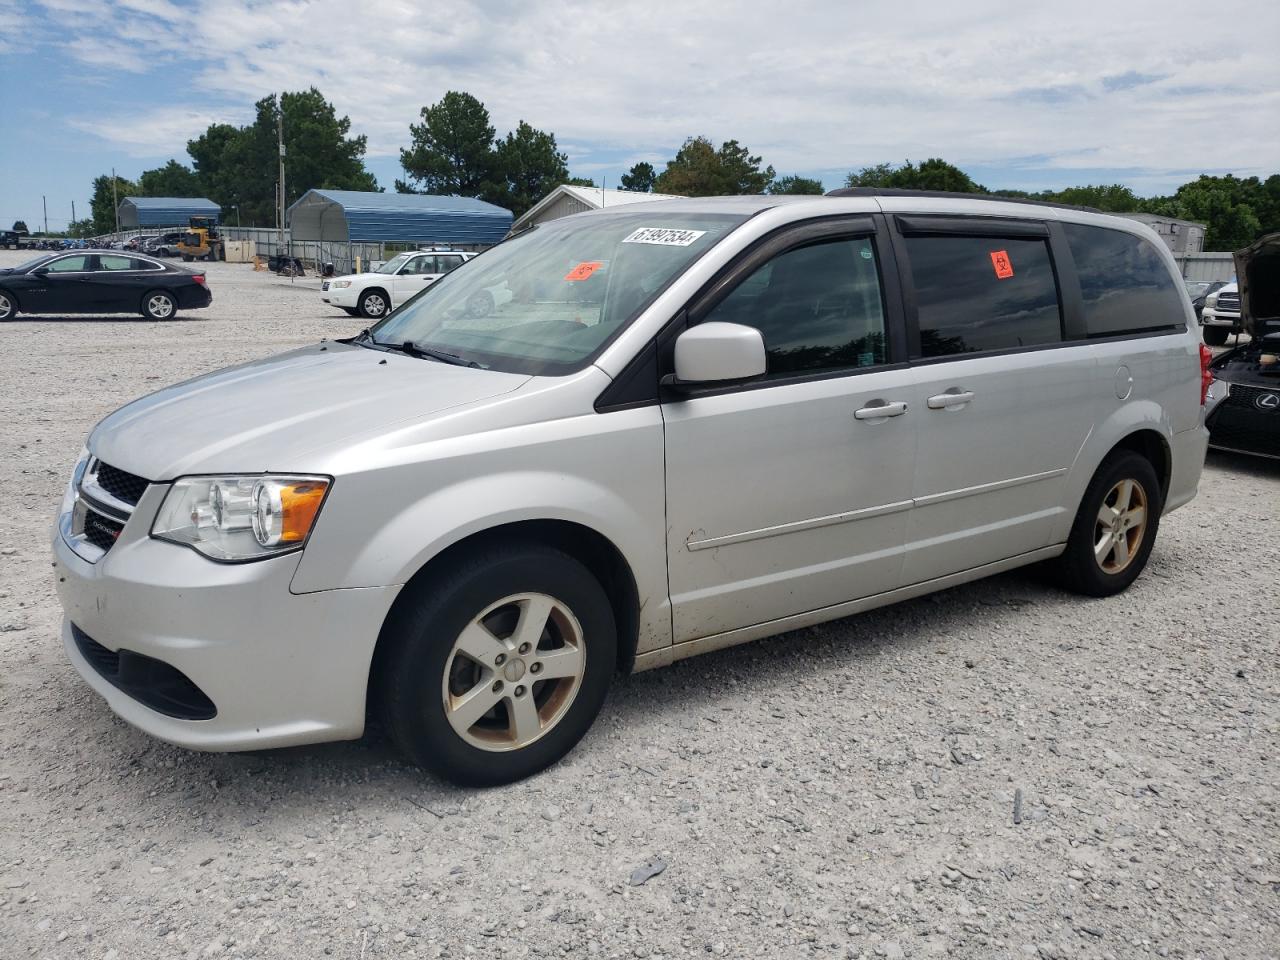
{"x": 101, "y": 281}
{"x": 1243, "y": 398}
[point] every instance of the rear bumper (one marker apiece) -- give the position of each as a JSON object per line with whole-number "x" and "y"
{"x": 1187, "y": 451}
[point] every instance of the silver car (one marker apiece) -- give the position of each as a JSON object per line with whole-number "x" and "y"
{"x": 676, "y": 429}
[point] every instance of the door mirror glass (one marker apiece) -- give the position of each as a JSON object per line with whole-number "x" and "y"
{"x": 719, "y": 352}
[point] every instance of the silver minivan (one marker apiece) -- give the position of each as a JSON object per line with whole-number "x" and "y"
{"x": 659, "y": 432}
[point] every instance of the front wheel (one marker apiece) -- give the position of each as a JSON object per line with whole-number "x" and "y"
{"x": 351, "y": 311}
{"x": 1115, "y": 528}
{"x": 1216, "y": 336}
{"x": 374, "y": 304}
{"x": 158, "y": 305}
{"x": 8, "y": 307}
{"x": 498, "y": 669}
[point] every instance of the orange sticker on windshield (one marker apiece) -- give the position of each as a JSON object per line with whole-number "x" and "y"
{"x": 583, "y": 270}
{"x": 1000, "y": 260}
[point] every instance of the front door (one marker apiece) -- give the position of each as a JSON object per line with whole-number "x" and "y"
{"x": 416, "y": 275}
{"x": 1005, "y": 400}
{"x": 791, "y": 493}
{"x": 61, "y": 289}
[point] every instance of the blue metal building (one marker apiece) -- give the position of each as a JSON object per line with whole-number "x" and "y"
{"x": 354, "y": 216}
{"x": 165, "y": 211}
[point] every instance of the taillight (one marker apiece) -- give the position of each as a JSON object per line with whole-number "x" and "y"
{"x": 1206, "y": 378}
{"x": 199, "y": 278}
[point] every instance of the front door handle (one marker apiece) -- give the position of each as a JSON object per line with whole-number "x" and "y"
{"x": 952, "y": 398}
{"x": 880, "y": 409}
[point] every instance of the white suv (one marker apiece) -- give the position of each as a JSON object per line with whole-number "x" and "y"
{"x": 677, "y": 429}
{"x": 1221, "y": 314}
{"x": 386, "y": 287}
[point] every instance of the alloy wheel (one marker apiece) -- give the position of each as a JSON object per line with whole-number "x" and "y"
{"x": 1120, "y": 526}
{"x": 160, "y": 306}
{"x": 374, "y": 305}
{"x": 513, "y": 672}
{"x": 6, "y": 307}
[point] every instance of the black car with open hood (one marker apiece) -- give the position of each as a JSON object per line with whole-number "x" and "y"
{"x": 1244, "y": 398}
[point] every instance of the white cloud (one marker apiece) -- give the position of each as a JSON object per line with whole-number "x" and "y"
{"x": 1154, "y": 87}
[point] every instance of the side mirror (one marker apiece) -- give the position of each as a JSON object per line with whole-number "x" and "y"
{"x": 40, "y": 272}
{"x": 718, "y": 353}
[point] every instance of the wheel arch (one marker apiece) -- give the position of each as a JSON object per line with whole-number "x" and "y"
{"x": 1152, "y": 445}
{"x": 589, "y": 547}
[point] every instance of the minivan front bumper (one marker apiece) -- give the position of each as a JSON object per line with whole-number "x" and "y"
{"x": 280, "y": 668}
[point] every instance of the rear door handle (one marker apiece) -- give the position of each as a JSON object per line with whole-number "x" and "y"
{"x": 957, "y": 398}
{"x": 880, "y": 410}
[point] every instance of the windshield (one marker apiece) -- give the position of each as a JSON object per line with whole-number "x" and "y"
{"x": 394, "y": 264}
{"x": 547, "y": 300}
{"x": 1196, "y": 287}
{"x": 31, "y": 264}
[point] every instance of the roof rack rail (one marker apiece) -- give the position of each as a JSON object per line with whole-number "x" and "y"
{"x": 951, "y": 195}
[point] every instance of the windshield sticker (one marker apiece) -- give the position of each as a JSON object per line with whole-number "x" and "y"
{"x": 664, "y": 236}
{"x": 1003, "y": 268}
{"x": 584, "y": 270}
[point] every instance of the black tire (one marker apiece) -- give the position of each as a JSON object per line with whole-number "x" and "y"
{"x": 187, "y": 258}
{"x": 351, "y": 311}
{"x": 374, "y": 303}
{"x": 153, "y": 305}
{"x": 418, "y": 640}
{"x": 1216, "y": 336}
{"x": 8, "y": 306}
{"x": 1079, "y": 569}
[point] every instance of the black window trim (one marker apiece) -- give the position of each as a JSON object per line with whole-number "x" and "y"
{"x": 1070, "y": 311}
{"x": 632, "y": 387}
{"x": 1081, "y": 327}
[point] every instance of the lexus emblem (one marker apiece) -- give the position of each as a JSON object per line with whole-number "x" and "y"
{"x": 1267, "y": 401}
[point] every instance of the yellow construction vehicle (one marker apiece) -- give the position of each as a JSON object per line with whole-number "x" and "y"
{"x": 202, "y": 241}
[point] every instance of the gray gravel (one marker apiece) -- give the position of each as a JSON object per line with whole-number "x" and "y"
{"x": 996, "y": 771}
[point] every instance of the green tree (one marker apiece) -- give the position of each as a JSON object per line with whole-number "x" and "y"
{"x": 174, "y": 179}
{"x": 932, "y": 174}
{"x": 700, "y": 170}
{"x": 452, "y": 149}
{"x": 796, "y": 184}
{"x": 877, "y": 176}
{"x": 580, "y": 182}
{"x": 640, "y": 178}
{"x": 84, "y": 228}
{"x": 102, "y": 205}
{"x": 237, "y": 166}
{"x": 1113, "y": 198}
{"x": 20, "y": 226}
{"x": 527, "y": 166}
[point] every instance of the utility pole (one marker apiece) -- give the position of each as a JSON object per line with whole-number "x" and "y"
{"x": 115, "y": 201}
{"x": 280, "y": 143}
{"x": 73, "y": 213}
{"x": 44, "y": 201}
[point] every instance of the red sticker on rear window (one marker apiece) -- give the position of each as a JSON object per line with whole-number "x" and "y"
{"x": 1000, "y": 260}
{"x": 583, "y": 270}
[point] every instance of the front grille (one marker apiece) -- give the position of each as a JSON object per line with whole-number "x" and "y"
{"x": 100, "y": 530}
{"x": 151, "y": 682}
{"x": 121, "y": 485}
{"x": 1242, "y": 395}
{"x": 1237, "y": 427}
{"x": 325, "y": 285}
{"x": 1229, "y": 302}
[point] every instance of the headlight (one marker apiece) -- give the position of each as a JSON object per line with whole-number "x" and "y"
{"x": 241, "y": 518}
{"x": 340, "y": 284}
{"x": 1211, "y": 300}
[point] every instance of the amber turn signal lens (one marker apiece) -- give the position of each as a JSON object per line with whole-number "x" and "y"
{"x": 299, "y": 504}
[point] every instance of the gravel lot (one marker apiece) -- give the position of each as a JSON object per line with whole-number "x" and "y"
{"x": 844, "y": 791}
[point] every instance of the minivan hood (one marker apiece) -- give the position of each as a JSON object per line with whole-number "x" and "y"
{"x": 1258, "y": 276}
{"x": 267, "y": 414}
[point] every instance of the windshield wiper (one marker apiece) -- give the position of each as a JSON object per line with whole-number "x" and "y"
{"x": 413, "y": 350}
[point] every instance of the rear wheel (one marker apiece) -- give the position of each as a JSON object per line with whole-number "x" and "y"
{"x": 187, "y": 258}
{"x": 500, "y": 667}
{"x": 1216, "y": 336}
{"x": 8, "y": 306}
{"x": 159, "y": 305}
{"x": 1115, "y": 528}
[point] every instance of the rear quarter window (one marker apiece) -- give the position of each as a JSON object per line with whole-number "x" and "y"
{"x": 1124, "y": 282}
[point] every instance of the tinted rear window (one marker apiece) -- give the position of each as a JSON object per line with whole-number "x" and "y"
{"x": 978, "y": 294}
{"x": 1126, "y": 286}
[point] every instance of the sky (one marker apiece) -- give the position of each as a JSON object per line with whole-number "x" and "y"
{"x": 1027, "y": 96}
